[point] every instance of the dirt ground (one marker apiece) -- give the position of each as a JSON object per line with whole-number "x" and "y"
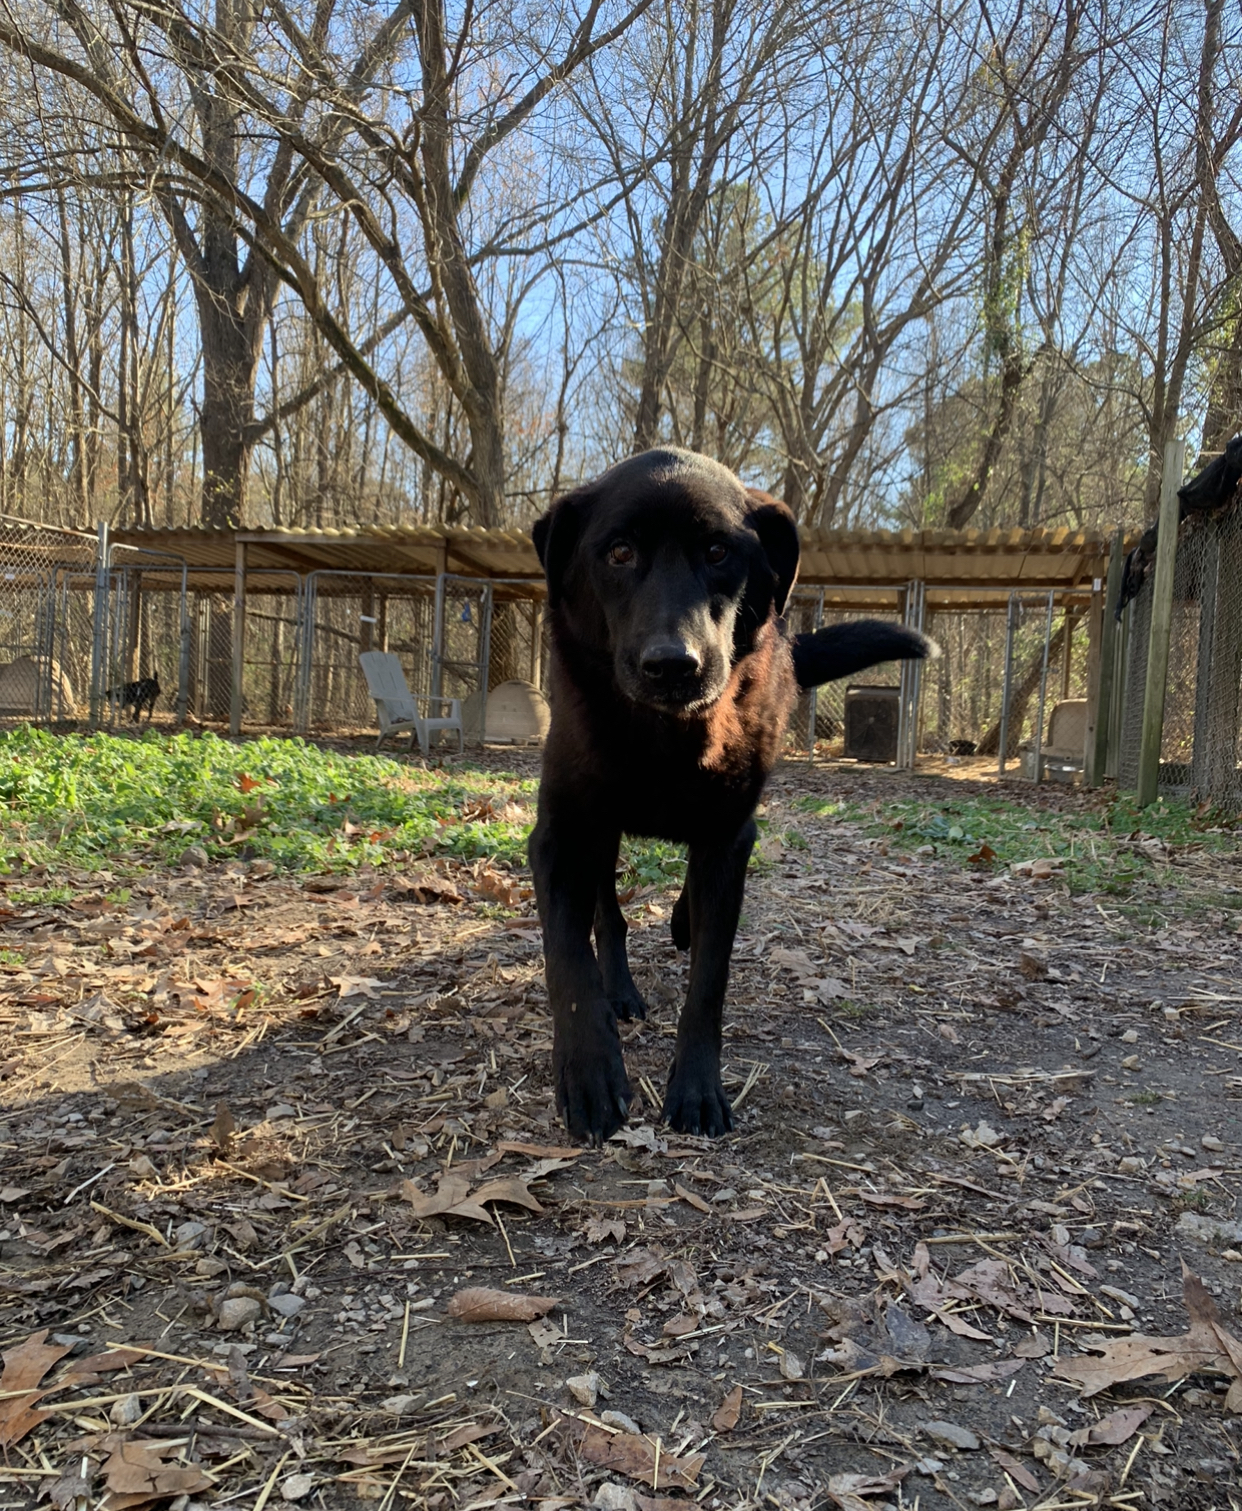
{"x": 260, "y": 1133}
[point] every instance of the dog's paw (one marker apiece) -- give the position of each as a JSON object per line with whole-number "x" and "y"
{"x": 696, "y": 1103}
{"x": 592, "y": 1092}
{"x": 628, "y": 1003}
{"x": 679, "y": 924}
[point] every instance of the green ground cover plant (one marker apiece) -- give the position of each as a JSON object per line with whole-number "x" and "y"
{"x": 1101, "y": 845}
{"x": 106, "y": 802}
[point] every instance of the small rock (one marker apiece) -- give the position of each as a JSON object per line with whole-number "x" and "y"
{"x": 1130, "y": 1036}
{"x": 791, "y": 1366}
{"x": 74, "y": 1342}
{"x": 294, "y": 1486}
{"x": 1130, "y": 1164}
{"x": 1210, "y": 1141}
{"x": 280, "y": 1110}
{"x": 658, "y": 1188}
{"x": 928, "y": 1467}
{"x": 951, "y": 1433}
{"x": 1131, "y": 1062}
{"x": 399, "y": 1406}
{"x": 189, "y": 1235}
{"x": 620, "y": 1420}
{"x": 1209, "y": 1229}
{"x": 610, "y": 1497}
{"x": 287, "y": 1305}
{"x": 584, "y": 1388}
{"x": 126, "y": 1411}
{"x": 237, "y": 1312}
{"x": 142, "y": 1168}
{"x": 723, "y": 1197}
{"x": 1115, "y": 1293}
{"x": 195, "y": 855}
{"x": 983, "y": 1497}
{"x": 209, "y": 1267}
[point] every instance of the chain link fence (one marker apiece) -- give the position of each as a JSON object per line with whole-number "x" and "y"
{"x": 45, "y": 650}
{"x": 1199, "y": 741}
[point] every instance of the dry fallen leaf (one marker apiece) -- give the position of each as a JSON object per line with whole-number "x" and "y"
{"x": 1205, "y": 1347}
{"x": 1115, "y": 1428}
{"x": 135, "y": 1473}
{"x": 539, "y": 1151}
{"x": 636, "y": 1457}
{"x": 479, "y": 1304}
{"x": 24, "y": 1368}
{"x": 1016, "y": 1470}
{"x": 511, "y": 1190}
{"x": 728, "y": 1412}
{"x": 978, "y": 1374}
{"x": 223, "y": 1128}
{"x": 356, "y": 986}
{"x": 450, "y": 1199}
{"x": 93, "y": 1365}
{"x": 692, "y": 1198}
{"x": 604, "y": 1229}
{"x": 847, "y": 1490}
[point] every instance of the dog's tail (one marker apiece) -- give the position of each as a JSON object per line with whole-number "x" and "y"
{"x": 840, "y": 650}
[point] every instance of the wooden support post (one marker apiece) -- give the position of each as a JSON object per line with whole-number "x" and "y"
{"x": 1067, "y": 652}
{"x": 133, "y": 627}
{"x": 536, "y": 641}
{"x": 381, "y": 628}
{"x": 1101, "y": 681}
{"x": 1161, "y": 624}
{"x": 239, "y": 640}
{"x": 366, "y": 625}
{"x": 1095, "y": 628}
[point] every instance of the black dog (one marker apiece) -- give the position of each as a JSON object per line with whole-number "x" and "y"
{"x": 671, "y": 684}
{"x": 136, "y": 695}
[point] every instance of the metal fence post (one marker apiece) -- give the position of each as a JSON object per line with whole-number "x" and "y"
{"x": 1011, "y": 629}
{"x": 1101, "y": 709}
{"x": 99, "y": 630}
{"x": 911, "y": 683}
{"x": 237, "y": 697}
{"x": 1161, "y": 624}
{"x": 1043, "y": 689}
{"x": 183, "y": 650}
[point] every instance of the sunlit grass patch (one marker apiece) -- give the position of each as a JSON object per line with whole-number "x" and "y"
{"x": 103, "y": 802}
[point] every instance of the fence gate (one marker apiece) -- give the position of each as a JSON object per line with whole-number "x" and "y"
{"x": 142, "y": 630}
{"x": 342, "y": 614}
{"x": 804, "y": 612}
{"x": 461, "y": 650}
{"x": 45, "y": 648}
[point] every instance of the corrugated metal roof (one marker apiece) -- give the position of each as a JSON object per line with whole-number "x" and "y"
{"x": 977, "y": 564}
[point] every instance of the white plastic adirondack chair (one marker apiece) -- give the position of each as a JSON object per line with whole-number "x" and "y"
{"x": 397, "y": 709}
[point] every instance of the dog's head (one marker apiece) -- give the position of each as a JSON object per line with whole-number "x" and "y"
{"x": 667, "y": 565}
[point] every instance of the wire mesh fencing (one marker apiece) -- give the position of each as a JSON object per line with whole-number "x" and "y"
{"x": 45, "y": 649}
{"x": 1199, "y": 738}
{"x": 341, "y": 615}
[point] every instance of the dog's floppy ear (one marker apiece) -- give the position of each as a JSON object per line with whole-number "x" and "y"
{"x": 774, "y": 524}
{"x": 556, "y": 535}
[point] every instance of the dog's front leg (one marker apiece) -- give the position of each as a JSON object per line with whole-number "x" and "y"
{"x": 610, "y": 932}
{"x": 592, "y": 1092}
{"x": 715, "y": 882}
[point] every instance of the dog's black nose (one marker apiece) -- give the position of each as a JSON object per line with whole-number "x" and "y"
{"x": 669, "y": 661}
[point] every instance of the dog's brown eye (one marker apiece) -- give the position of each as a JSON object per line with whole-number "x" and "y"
{"x": 620, "y": 554}
{"x": 716, "y": 554}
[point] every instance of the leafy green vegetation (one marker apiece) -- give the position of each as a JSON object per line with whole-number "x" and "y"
{"x": 102, "y": 802}
{"x": 1104, "y": 847}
